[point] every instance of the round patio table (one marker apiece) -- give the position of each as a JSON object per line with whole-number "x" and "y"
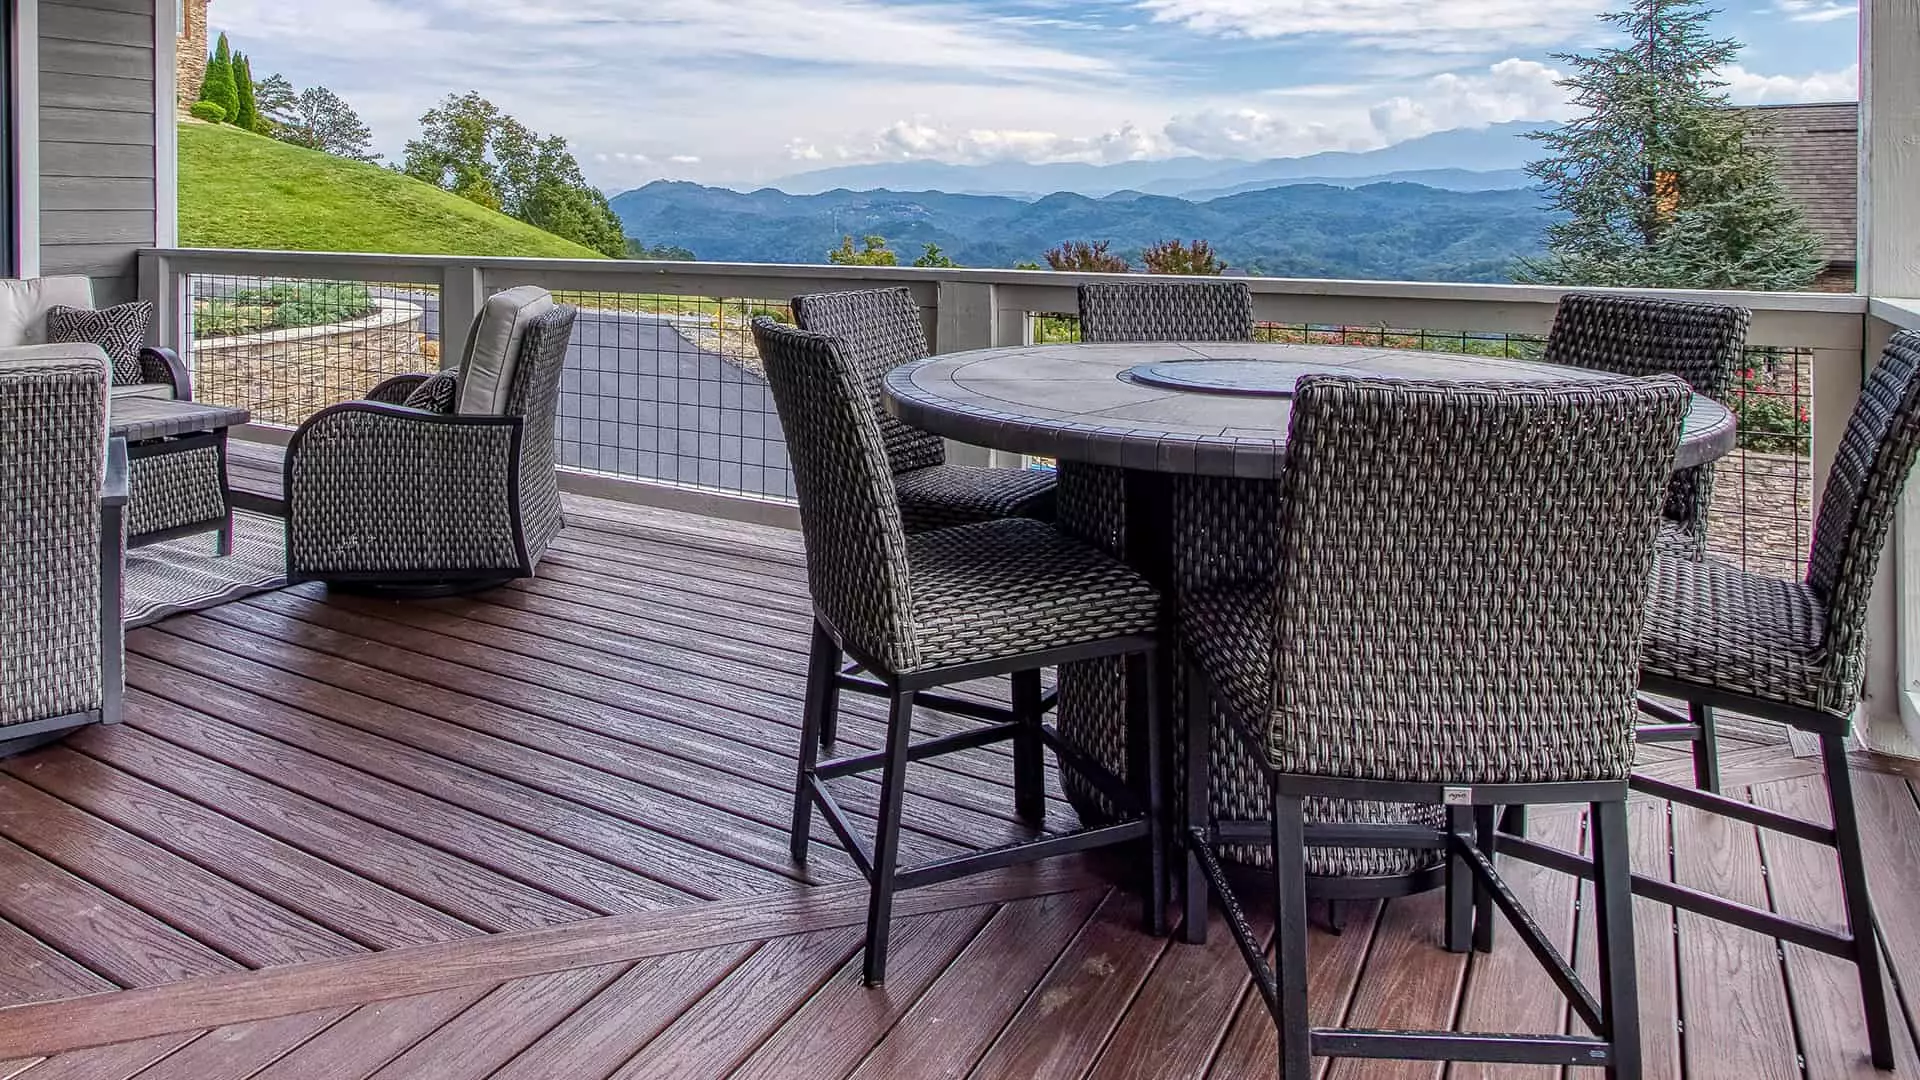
{"x": 1168, "y": 457}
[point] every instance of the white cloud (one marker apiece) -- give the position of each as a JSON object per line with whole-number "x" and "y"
{"x": 685, "y": 159}
{"x": 1817, "y": 10}
{"x": 1476, "y": 26}
{"x": 1751, "y": 88}
{"x": 1512, "y": 89}
{"x": 1254, "y": 133}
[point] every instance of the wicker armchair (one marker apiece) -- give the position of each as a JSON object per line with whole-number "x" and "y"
{"x": 24, "y": 304}
{"x": 61, "y": 555}
{"x": 880, "y": 330}
{"x": 1632, "y": 335}
{"x": 1795, "y": 652}
{"x": 925, "y": 610}
{"x": 437, "y": 483}
{"x": 1120, "y": 311}
{"x": 1419, "y": 645}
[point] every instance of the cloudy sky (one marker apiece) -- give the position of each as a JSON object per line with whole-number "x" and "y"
{"x": 741, "y": 91}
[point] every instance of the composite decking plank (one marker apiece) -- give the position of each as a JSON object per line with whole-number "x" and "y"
{"x": 1335, "y": 963}
{"x": 604, "y": 1033}
{"x": 962, "y": 816}
{"x": 32, "y": 970}
{"x": 1655, "y": 944}
{"x": 957, "y": 1019}
{"x": 724, "y": 1027}
{"x": 1068, "y": 1017}
{"x": 544, "y": 839}
{"x": 497, "y": 1027}
{"x": 1803, "y": 882}
{"x": 95, "y": 928}
{"x": 567, "y": 745}
{"x": 370, "y": 1037}
{"x": 692, "y": 531}
{"x": 1508, "y": 990}
{"x": 239, "y": 1050}
{"x": 842, "y": 1022}
{"x": 597, "y": 550}
{"x": 1410, "y": 983}
{"x": 434, "y": 877}
{"x": 114, "y": 1062}
{"x": 1891, "y": 841}
{"x": 1733, "y": 999}
{"x": 1181, "y": 1014}
{"x": 182, "y": 893}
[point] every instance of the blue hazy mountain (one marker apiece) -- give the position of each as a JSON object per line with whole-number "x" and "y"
{"x": 1383, "y": 231}
{"x": 1495, "y": 148}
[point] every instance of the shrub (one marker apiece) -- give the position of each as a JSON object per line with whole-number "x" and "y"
{"x": 1174, "y": 257}
{"x": 282, "y": 306}
{"x": 210, "y": 111}
{"x": 1086, "y": 258}
{"x": 1769, "y": 420}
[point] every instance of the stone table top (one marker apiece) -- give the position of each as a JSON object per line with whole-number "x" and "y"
{"x": 137, "y": 419}
{"x": 1215, "y": 408}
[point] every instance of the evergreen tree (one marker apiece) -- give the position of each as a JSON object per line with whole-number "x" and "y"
{"x": 278, "y": 105}
{"x": 933, "y": 257}
{"x": 1660, "y": 182}
{"x": 249, "y": 115}
{"x": 219, "y": 86}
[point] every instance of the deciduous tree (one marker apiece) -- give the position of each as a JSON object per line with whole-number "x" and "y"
{"x": 934, "y": 257}
{"x": 1086, "y": 258}
{"x": 322, "y": 120}
{"x": 873, "y": 251}
{"x": 1174, "y": 257}
{"x": 1662, "y": 184}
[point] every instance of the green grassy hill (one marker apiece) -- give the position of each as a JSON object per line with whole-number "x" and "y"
{"x": 240, "y": 190}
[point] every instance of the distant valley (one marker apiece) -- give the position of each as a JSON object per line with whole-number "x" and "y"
{"x": 1399, "y": 231}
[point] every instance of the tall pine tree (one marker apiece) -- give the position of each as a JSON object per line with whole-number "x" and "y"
{"x": 248, "y": 116}
{"x": 1662, "y": 184}
{"x": 220, "y": 87}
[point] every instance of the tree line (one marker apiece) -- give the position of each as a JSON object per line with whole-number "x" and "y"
{"x": 1091, "y": 257}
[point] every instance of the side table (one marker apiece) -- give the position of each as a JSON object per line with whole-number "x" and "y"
{"x": 177, "y": 468}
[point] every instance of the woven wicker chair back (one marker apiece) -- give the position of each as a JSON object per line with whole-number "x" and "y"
{"x": 849, "y": 514}
{"x": 534, "y": 397}
{"x": 1462, "y": 575}
{"x": 1862, "y": 497}
{"x": 879, "y": 329}
{"x": 1631, "y": 335}
{"x": 1121, "y": 311}
{"x": 53, "y": 426}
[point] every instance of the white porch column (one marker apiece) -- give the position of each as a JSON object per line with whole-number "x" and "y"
{"x": 1889, "y": 254}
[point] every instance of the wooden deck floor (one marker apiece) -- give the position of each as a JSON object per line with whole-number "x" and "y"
{"x": 540, "y": 834}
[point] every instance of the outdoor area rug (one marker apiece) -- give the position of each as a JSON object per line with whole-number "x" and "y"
{"x": 185, "y": 575}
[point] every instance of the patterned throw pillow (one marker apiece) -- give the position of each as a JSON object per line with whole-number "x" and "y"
{"x": 436, "y": 394}
{"x": 120, "y": 331}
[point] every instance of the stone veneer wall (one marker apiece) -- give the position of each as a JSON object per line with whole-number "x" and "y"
{"x": 190, "y": 55}
{"x": 285, "y": 376}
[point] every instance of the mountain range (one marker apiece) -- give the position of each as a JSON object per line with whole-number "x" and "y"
{"x": 1398, "y": 231}
{"x": 1463, "y": 159}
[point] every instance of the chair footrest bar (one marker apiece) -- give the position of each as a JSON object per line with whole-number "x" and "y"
{"x": 1817, "y": 938}
{"x": 1666, "y": 714}
{"x": 944, "y": 703}
{"x": 1658, "y": 733}
{"x": 1550, "y": 958}
{"x": 1013, "y": 854}
{"x": 1448, "y": 1046}
{"x": 1735, "y": 809}
{"x": 1091, "y": 771}
{"x": 945, "y": 744}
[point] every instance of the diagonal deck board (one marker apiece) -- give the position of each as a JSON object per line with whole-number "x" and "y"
{"x": 568, "y": 798}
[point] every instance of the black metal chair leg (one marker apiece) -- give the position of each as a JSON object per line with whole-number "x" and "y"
{"x": 1290, "y": 937}
{"x": 1513, "y": 819}
{"x": 1029, "y": 764}
{"x": 1460, "y": 886}
{"x": 1853, "y": 882}
{"x": 823, "y": 670}
{"x": 1613, "y": 936}
{"x": 1706, "y": 748}
{"x": 886, "y": 841}
{"x": 1483, "y": 829}
{"x": 1157, "y": 662}
{"x": 1198, "y": 815}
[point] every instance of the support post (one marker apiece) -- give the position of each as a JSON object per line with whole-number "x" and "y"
{"x": 964, "y": 320}
{"x": 463, "y": 292}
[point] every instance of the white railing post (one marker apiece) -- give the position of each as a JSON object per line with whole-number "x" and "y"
{"x": 963, "y": 319}
{"x": 167, "y": 291}
{"x": 463, "y": 292}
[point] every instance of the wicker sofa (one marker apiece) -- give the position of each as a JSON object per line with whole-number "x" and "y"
{"x": 60, "y": 545}
{"x": 438, "y": 483}
{"x": 24, "y": 303}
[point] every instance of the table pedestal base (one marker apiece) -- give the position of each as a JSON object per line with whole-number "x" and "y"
{"x": 1186, "y": 532}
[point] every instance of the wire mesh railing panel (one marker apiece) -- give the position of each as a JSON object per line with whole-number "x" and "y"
{"x": 1761, "y": 518}
{"x": 285, "y": 348}
{"x": 669, "y": 389}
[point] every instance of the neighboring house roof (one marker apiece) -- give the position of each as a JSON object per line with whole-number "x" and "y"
{"x": 1818, "y": 148}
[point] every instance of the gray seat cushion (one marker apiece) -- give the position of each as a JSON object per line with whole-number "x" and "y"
{"x": 1713, "y": 625}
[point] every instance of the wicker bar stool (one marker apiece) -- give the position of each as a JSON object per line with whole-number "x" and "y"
{"x": 880, "y": 329}
{"x": 1455, "y": 620}
{"x": 1120, "y": 311}
{"x": 929, "y": 609}
{"x": 1701, "y": 343}
{"x": 1795, "y": 652}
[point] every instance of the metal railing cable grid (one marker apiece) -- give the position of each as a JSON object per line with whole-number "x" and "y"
{"x": 668, "y": 389}
{"x": 285, "y": 348}
{"x": 1762, "y": 514}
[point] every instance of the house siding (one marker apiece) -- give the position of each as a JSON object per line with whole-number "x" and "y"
{"x": 97, "y": 156}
